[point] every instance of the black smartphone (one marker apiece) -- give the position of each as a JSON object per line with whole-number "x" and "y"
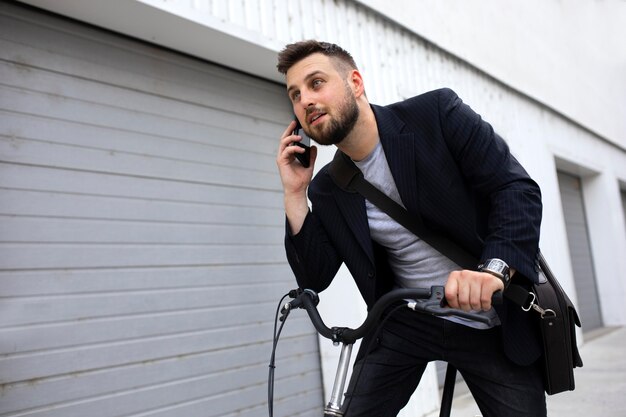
{"x": 304, "y": 158}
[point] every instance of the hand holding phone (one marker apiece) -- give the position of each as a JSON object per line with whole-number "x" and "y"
{"x": 304, "y": 158}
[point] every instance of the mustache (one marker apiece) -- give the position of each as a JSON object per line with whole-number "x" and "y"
{"x": 310, "y": 110}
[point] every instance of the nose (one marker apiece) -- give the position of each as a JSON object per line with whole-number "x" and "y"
{"x": 307, "y": 99}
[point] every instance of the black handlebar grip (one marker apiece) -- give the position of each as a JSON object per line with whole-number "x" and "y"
{"x": 497, "y": 298}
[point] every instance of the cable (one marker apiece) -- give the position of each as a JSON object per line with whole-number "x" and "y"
{"x": 270, "y": 378}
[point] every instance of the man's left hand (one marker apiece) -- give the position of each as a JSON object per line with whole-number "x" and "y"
{"x": 471, "y": 290}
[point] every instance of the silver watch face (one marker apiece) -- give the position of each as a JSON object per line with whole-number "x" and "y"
{"x": 496, "y": 265}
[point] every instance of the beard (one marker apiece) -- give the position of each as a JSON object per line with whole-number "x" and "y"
{"x": 339, "y": 128}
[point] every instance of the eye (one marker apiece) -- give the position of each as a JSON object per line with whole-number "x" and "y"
{"x": 317, "y": 82}
{"x": 295, "y": 96}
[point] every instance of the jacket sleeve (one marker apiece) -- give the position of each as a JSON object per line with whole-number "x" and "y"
{"x": 311, "y": 255}
{"x": 514, "y": 199}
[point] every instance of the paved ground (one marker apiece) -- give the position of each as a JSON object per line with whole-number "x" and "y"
{"x": 600, "y": 383}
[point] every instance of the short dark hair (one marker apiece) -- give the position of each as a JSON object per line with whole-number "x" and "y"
{"x": 295, "y": 52}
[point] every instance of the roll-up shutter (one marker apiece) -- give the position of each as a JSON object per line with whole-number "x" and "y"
{"x": 141, "y": 230}
{"x": 580, "y": 251}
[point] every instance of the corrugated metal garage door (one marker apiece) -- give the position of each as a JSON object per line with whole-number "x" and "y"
{"x": 580, "y": 251}
{"x": 141, "y": 229}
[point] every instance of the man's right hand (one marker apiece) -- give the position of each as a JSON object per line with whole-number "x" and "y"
{"x": 295, "y": 178}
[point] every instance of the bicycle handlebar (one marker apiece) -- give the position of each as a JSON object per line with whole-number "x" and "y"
{"x": 430, "y": 301}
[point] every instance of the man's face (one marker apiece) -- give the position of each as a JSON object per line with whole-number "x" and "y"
{"x": 322, "y": 99}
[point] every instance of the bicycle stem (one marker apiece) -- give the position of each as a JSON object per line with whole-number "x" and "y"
{"x": 333, "y": 408}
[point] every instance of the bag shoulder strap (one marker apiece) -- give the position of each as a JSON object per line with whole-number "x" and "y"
{"x": 348, "y": 177}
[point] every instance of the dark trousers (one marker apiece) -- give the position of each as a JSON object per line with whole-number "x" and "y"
{"x": 408, "y": 341}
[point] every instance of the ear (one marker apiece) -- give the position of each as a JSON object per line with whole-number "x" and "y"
{"x": 356, "y": 80}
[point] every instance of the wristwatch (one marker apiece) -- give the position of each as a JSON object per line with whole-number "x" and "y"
{"x": 498, "y": 268}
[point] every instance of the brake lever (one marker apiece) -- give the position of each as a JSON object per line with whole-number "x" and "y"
{"x": 437, "y": 306}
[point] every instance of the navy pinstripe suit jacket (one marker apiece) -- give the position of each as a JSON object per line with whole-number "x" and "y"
{"x": 453, "y": 169}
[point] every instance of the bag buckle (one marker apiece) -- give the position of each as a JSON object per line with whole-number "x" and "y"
{"x": 533, "y": 305}
{"x": 531, "y": 302}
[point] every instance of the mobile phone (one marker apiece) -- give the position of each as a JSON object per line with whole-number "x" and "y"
{"x": 304, "y": 158}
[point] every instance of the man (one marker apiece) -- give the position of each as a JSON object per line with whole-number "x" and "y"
{"x": 436, "y": 157}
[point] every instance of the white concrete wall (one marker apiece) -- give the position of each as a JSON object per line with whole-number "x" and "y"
{"x": 570, "y": 55}
{"x": 396, "y": 64}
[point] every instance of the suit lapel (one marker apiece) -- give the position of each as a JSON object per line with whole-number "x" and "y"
{"x": 352, "y": 208}
{"x": 400, "y": 153}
